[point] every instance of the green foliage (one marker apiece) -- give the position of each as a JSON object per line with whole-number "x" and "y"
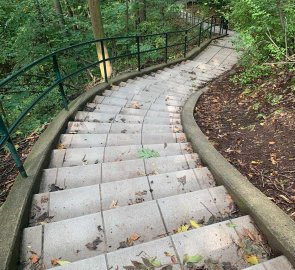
{"x": 145, "y": 153}
{"x": 266, "y": 29}
{"x": 33, "y": 28}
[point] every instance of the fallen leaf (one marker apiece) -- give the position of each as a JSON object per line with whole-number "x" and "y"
{"x": 231, "y": 225}
{"x": 192, "y": 259}
{"x": 253, "y": 260}
{"x": 94, "y": 244}
{"x": 62, "y": 262}
{"x": 173, "y": 259}
{"x": 271, "y": 143}
{"x": 34, "y": 258}
{"x": 168, "y": 254}
{"x": 250, "y": 234}
{"x": 194, "y": 224}
{"x": 183, "y": 228}
{"x": 114, "y": 204}
{"x": 61, "y": 146}
{"x": 134, "y": 237}
{"x": 273, "y": 158}
{"x": 56, "y": 262}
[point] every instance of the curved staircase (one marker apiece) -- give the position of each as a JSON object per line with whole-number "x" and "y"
{"x": 124, "y": 189}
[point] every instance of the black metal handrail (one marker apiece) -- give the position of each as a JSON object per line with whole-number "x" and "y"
{"x": 206, "y": 25}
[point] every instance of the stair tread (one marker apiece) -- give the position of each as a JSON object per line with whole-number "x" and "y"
{"x": 71, "y": 177}
{"x": 180, "y": 206}
{"x": 83, "y": 156}
{"x": 117, "y": 139}
{"x": 64, "y": 238}
{"x": 102, "y": 128}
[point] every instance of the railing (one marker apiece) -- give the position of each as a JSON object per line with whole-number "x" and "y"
{"x": 51, "y": 62}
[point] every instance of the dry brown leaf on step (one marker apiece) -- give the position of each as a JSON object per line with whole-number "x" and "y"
{"x": 249, "y": 234}
{"x": 133, "y": 237}
{"x": 181, "y": 139}
{"x": 173, "y": 259}
{"x": 168, "y": 254}
{"x": 176, "y": 129}
{"x": 61, "y": 146}
{"x": 114, "y": 204}
{"x": 136, "y": 105}
{"x": 34, "y": 258}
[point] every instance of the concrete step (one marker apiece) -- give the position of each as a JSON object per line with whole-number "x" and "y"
{"x": 69, "y": 239}
{"x": 144, "y": 95}
{"x": 99, "y": 117}
{"x": 102, "y": 128}
{"x": 84, "y": 156}
{"x": 117, "y": 139}
{"x": 279, "y": 263}
{"x": 206, "y": 205}
{"x": 114, "y": 101}
{"x": 86, "y": 175}
{"x": 134, "y": 104}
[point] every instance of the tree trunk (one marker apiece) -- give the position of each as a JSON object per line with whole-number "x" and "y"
{"x": 127, "y": 16}
{"x": 98, "y": 32}
{"x": 142, "y": 11}
{"x": 58, "y": 10}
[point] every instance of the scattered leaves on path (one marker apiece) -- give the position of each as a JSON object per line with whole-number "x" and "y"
{"x": 59, "y": 262}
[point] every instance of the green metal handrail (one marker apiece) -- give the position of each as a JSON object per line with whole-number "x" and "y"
{"x": 6, "y": 130}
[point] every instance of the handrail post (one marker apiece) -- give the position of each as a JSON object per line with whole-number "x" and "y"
{"x": 200, "y": 34}
{"x": 58, "y": 79}
{"x": 221, "y": 25}
{"x": 185, "y": 43}
{"x": 211, "y": 27}
{"x": 166, "y": 48}
{"x": 138, "y": 53}
{"x": 104, "y": 61}
{"x": 11, "y": 147}
{"x": 2, "y": 111}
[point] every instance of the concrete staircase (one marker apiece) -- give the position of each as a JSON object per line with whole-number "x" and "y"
{"x": 124, "y": 185}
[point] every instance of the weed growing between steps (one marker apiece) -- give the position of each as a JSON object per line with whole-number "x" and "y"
{"x": 251, "y": 123}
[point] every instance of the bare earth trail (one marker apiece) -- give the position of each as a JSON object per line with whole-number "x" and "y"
{"x": 124, "y": 185}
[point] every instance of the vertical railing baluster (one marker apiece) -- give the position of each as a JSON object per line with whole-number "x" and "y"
{"x": 104, "y": 61}
{"x": 211, "y": 27}
{"x": 185, "y": 43}
{"x": 138, "y": 53}
{"x": 200, "y": 34}
{"x": 11, "y": 147}
{"x": 166, "y": 48}
{"x": 58, "y": 78}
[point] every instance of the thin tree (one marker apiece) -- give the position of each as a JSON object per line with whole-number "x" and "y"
{"x": 59, "y": 12}
{"x": 98, "y": 32}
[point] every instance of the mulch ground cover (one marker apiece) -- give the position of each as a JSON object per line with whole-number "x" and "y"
{"x": 8, "y": 170}
{"x": 253, "y": 127}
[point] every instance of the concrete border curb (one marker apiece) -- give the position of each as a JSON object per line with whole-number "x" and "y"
{"x": 15, "y": 211}
{"x": 277, "y": 226}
